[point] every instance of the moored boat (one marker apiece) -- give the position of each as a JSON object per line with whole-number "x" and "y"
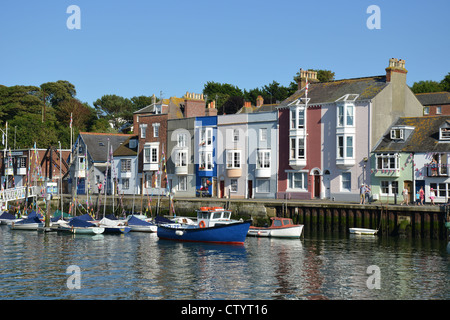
{"x": 280, "y": 228}
{"x": 79, "y": 226}
{"x": 32, "y": 223}
{"x": 363, "y": 231}
{"x": 8, "y": 218}
{"x": 140, "y": 225}
{"x": 214, "y": 225}
{"x": 113, "y": 226}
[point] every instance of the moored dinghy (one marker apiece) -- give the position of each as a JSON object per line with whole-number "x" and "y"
{"x": 113, "y": 226}
{"x": 140, "y": 225}
{"x": 8, "y": 218}
{"x": 32, "y": 223}
{"x": 80, "y": 226}
{"x": 363, "y": 231}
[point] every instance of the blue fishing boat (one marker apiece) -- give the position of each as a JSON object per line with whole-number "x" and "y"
{"x": 214, "y": 225}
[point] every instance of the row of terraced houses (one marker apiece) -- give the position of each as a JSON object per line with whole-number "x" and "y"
{"x": 324, "y": 142}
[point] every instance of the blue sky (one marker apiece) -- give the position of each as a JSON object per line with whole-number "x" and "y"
{"x": 133, "y": 47}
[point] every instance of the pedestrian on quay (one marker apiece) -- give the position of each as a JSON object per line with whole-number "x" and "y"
{"x": 417, "y": 198}
{"x": 362, "y": 194}
{"x": 422, "y": 195}
{"x": 367, "y": 194}
{"x": 432, "y": 195}
{"x": 405, "y": 196}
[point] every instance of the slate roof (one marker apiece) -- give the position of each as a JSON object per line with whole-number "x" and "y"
{"x": 97, "y": 144}
{"x": 434, "y": 98}
{"x": 125, "y": 150}
{"x": 424, "y": 138}
{"x": 326, "y": 92}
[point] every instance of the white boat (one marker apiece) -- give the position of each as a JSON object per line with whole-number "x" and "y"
{"x": 138, "y": 224}
{"x": 113, "y": 226}
{"x": 280, "y": 228}
{"x": 32, "y": 223}
{"x": 363, "y": 231}
{"x": 8, "y": 218}
{"x": 78, "y": 226}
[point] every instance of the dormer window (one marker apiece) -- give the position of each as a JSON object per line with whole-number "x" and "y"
{"x": 444, "y": 134}
{"x": 397, "y": 134}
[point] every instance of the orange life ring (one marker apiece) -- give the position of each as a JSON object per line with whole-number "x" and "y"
{"x": 202, "y": 224}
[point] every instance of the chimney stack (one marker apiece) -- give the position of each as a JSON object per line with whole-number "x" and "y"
{"x": 396, "y": 67}
{"x": 306, "y": 74}
{"x": 259, "y": 101}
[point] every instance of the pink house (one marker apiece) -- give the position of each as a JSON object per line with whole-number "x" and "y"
{"x": 326, "y": 135}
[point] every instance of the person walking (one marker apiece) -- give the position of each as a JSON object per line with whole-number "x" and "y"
{"x": 422, "y": 195}
{"x": 362, "y": 194}
{"x": 417, "y": 198}
{"x": 432, "y": 195}
{"x": 405, "y": 196}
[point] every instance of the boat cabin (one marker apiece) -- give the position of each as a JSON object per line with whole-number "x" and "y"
{"x": 281, "y": 222}
{"x": 209, "y": 216}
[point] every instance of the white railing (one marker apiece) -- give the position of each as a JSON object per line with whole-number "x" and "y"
{"x": 17, "y": 193}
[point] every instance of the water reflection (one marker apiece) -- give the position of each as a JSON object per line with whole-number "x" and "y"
{"x": 140, "y": 266}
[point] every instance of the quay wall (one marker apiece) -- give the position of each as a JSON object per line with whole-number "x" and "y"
{"x": 317, "y": 216}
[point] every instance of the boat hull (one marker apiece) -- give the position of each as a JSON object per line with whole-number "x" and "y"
{"x": 363, "y": 231}
{"x": 117, "y": 230}
{"x": 293, "y": 232}
{"x": 82, "y": 230}
{"x": 232, "y": 233}
{"x": 143, "y": 228}
{"x": 26, "y": 226}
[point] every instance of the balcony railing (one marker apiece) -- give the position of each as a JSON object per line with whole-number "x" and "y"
{"x": 437, "y": 170}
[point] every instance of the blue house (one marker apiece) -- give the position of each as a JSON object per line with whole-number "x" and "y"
{"x": 205, "y": 154}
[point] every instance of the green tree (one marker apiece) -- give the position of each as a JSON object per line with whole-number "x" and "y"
{"x": 56, "y": 92}
{"x": 115, "y": 108}
{"x": 16, "y": 100}
{"x": 445, "y": 83}
{"x": 426, "y": 86}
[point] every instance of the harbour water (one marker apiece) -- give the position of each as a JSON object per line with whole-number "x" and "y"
{"x": 139, "y": 266}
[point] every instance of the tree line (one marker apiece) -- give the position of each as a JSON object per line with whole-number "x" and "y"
{"x": 42, "y": 114}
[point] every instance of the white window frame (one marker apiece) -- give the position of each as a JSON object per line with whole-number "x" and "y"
{"x": 181, "y": 140}
{"x": 389, "y": 184}
{"x": 156, "y": 130}
{"x": 233, "y": 185}
{"x": 260, "y": 183}
{"x": 345, "y": 146}
{"x": 444, "y": 133}
{"x": 206, "y": 136}
{"x": 295, "y": 177}
{"x": 125, "y": 183}
{"x": 125, "y": 165}
{"x": 297, "y": 118}
{"x": 206, "y": 162}
{"x": 235, "y": 135}
{"x": 263, "y": 159}
{"x": 150, "y": 151}
{"x": 143, "y": 128}
{"x": 397, "y": 133}
{"x": 345, "y": 115}
{"x": 262, "y": 134}
{"x": 387, "y": 160}
{"x": 181, "y": 158}
{"x": 294, "y": 147}
{"x": 344, "y": 180}
{"x": 233, "y": 159}
{"x": 182, "y": 183}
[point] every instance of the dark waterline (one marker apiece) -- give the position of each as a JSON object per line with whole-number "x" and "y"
{"x": 139, "y": 266}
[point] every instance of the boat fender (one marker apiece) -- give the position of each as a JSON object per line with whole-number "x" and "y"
{"x": 202, "y": 224}
{"x": 179, "y": 233}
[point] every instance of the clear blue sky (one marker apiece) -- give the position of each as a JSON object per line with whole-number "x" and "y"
{"x": 133, "y": 47}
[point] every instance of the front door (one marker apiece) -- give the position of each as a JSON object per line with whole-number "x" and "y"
{"x": 316, "y": 186}
{"x": 222, "y": 189}
{"x": 250, "y": 189}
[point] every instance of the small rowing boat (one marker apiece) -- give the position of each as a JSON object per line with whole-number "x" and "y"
{"x": 363, "y": 231}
